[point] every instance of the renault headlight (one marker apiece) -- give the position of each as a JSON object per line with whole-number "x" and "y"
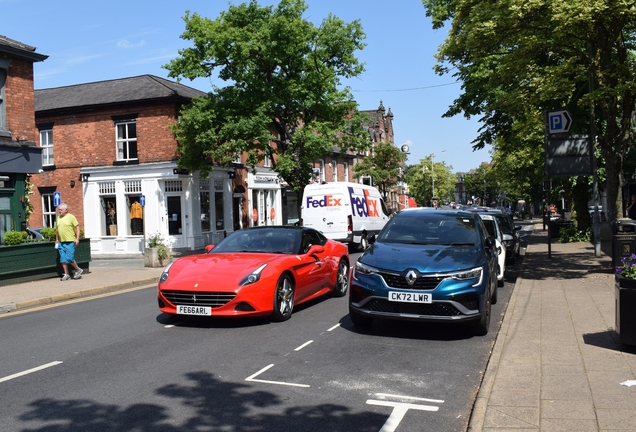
{"x": 476, "y": 273}
{"x": 363, "y": 269}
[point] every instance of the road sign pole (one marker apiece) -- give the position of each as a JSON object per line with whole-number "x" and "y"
{"x": 596, "y": 225}
{"x": 142, "y": 202}
{"x": 547, "y": 180}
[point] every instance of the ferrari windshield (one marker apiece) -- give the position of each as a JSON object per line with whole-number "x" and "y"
{"x": 432, "y": 227}
{"x": 264, "y": 240}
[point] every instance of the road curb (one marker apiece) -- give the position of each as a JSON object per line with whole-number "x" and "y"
{"x": 75, "y": 294}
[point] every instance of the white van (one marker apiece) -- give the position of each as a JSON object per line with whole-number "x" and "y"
{"x": 345, "y": 212}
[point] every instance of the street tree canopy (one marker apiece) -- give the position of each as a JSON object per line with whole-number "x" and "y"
{"x": 517, "y": 59}
{"x": 423, "y": 176}
{"x": 278, "y": 95}
{"x": 384, "y": 166}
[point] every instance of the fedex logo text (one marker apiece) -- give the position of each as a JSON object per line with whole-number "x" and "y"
{"x": 323, "y": 201}
{"x": 367, "y": 206}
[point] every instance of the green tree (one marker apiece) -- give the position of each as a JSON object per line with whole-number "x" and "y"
{"x": 384, "y": 166}
{"x": 420, "y": 180}
{"x": 280, "y": 99}
{"x": 517, "y": 59}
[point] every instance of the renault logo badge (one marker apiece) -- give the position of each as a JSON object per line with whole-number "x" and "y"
{"x": 411, "y": 277}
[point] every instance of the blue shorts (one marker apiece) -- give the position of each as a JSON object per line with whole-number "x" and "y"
{"x": 67, "y": 252}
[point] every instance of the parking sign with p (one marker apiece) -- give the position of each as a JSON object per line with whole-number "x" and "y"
{"x": 559, "y": 121}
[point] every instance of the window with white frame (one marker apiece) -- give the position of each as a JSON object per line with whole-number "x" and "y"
{"x": 132, "y": 189}
{"x": 126, "y": 140}
{"x": 346, "y": 171}
{"x": 109, "y": 208}
{"x": 204, "y": 197}
{"x": 322, "y": 170}
{"x": 334, "y": 171}
{"x": 218, "y": 204}
{"x": 48, "y": 211}
{"x": 46, "y": 142}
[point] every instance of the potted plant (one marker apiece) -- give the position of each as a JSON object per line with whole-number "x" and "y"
{"x": 625, "y": 276}
{"x": 625, "y": 300}
{"x": 112, "y": 227}
{"x": 157, "y": 254}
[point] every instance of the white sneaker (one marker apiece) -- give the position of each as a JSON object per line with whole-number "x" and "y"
{"x": 65, "y": 277}
{"x": 78, "y": 274}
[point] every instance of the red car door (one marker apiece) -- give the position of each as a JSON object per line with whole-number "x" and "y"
{"x": 313, "y": 269}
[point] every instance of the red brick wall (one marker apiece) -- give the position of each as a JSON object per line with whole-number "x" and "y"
{"x": 88, "y": 139}
{"x": 20, "y": 105}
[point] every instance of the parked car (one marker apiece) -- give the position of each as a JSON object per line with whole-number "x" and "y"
{"x": 427, "y": 265}
{"x": 511, "y": 236}
{"x": 261, "y": 271}
{"x": 492, "y": 226}
{"x": 34, "y": 233}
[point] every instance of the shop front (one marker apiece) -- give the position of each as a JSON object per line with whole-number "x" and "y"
{"x": 264, "y": 189}
{"x": 123, "y": 206}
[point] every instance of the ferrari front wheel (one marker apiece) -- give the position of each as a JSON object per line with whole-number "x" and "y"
{"x": 283, "y": 299}
{"x": 342, "y": 280}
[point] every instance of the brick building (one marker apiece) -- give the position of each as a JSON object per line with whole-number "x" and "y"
{"x": 105, "y": 145}
{"x": 107, "y": 150}
{"x": 19, "y": 153}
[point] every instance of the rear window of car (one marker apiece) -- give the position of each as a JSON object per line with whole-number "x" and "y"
{"x": 504, "y": 224}
{"x": 490, "y": 227}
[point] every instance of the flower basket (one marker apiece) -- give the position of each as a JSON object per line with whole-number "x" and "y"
{"x": 625, "y": 282}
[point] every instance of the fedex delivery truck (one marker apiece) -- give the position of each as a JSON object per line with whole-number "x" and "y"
{"x": 345, "y": 212}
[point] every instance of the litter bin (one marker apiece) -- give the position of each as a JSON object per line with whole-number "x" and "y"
{"x": 625, "y": 303}
{"x": 623, "y": 240}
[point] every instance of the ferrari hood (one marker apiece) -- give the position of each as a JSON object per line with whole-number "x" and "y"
{"x": 218, "y": 268}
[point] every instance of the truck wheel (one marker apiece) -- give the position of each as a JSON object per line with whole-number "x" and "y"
{"x": 364, "y": 243}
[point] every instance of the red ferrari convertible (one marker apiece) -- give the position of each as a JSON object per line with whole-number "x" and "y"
{"x": 261, "y": 271}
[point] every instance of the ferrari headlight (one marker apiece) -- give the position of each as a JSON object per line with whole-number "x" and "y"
{"x": 476, "y": 273}
{"x": 252, "y": 277}
{"x": 363, "y": 269}
{"x": 166, "y": 271}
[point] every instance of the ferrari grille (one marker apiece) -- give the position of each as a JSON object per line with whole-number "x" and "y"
{"x": 197, "y": 298}
{"x": 421, "y": 283}
{"x": 434, "y": 309}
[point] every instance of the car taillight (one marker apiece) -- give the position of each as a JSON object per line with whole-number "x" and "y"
{"x": 349, "y": 224}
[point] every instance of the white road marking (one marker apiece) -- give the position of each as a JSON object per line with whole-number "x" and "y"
{"x": 334, "y": 327}
{"x": 400, "y": 409}
{"x": 26, "y": 372}
{"x": 382, "y": 395}
{"x": 251, "y": 378}
{"x": 303, "y": 345}
{"x": 170, "y": 326}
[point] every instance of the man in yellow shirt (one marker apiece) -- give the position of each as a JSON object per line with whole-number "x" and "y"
{"x": 67, "y": 236}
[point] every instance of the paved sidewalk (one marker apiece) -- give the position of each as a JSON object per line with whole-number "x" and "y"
{"x": 557, "y": 364}
{"x": 105, "y": 276}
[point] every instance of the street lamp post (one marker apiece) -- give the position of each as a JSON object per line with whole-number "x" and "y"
{"x": 433, "y": 171}
{"x": 424, "y": 184}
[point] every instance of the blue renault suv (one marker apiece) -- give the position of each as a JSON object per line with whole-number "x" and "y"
{"x": 427, "y": 265}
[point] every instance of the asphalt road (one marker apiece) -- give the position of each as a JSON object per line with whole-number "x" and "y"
{"x": 117, "y": 363}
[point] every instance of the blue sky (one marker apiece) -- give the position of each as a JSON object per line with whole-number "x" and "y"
{"x": 90, "y": 41}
